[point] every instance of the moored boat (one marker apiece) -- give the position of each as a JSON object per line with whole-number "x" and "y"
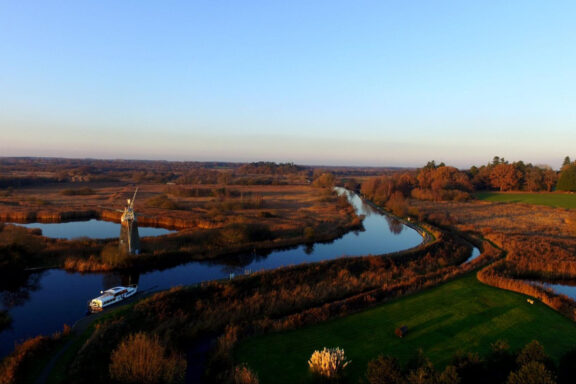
{"x": 112, "y": 296}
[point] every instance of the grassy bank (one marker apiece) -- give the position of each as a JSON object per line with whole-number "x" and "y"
{"x": 559, "y": 200}
{"x": 460, "y": 315}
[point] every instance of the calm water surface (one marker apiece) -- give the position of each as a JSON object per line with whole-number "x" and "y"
{"x": 95, "y": 229}
{"x": 47, "y": 300}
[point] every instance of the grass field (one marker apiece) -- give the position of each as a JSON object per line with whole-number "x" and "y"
{"x": 551, "y": 199}
{"x": 460, "y": 315}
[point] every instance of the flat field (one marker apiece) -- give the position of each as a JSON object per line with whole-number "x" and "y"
{"x": 551, "y": 199}
{"x": 460, "y": 315}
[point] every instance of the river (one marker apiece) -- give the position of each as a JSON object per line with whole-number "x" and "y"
{"x": 49, "y": 299}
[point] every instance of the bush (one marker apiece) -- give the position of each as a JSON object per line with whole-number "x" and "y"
{"x": 532, "y": 373}
{"x": 142, "y": 359}
{"x": 329, "y": 362}
{"x": 244, "y": 375}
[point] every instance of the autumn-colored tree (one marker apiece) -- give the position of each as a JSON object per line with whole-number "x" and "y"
{"x": 141, "y": 358}
{"x": 380, "y": 189}
{"x": 397, "y": 204}
{"x": 325, "y": 180}
{"x": 534, "y": 179}
{"x": 505, "y": 177}
{"x": 450, "y": 178}
{"x": 442, "y": 183}
{"x": 550, "y": 178}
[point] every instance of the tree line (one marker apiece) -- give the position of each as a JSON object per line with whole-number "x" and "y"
{"x": 442, "y": 182}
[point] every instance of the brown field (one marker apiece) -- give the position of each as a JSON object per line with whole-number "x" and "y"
{"x": 48, "y": 204}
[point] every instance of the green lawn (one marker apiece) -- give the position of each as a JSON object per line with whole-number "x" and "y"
{"x": 461, "y": 315}
{"x": 552, "y": 199}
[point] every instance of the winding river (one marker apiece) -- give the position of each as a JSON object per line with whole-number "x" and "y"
{"x": 49, "y": 299}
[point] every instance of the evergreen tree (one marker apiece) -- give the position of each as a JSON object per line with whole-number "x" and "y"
{"x": 567, "y": 179}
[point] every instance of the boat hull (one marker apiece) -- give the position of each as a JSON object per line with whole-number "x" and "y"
{"x": 111, "y": 296}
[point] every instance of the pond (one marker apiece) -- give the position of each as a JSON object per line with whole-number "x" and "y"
{"x": 94, "y": 229}
{"x": 58, "y": 297}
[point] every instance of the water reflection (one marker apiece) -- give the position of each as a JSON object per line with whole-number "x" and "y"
{"x": 395, "y": 226}
{"x": 16, "y": 289}
{"x": 94, "y": 229}
{"x": 115, "y": 279}
{"x": 129, "y": 239}
{"x": 567, "y": 287}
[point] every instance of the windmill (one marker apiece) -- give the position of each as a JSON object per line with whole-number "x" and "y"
{"x": 129, "y": 239}
{"x": 128, "y": 215}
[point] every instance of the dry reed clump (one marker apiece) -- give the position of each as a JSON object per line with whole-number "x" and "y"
{"x": 244, "y": 375}
{"x": 329, "y": 362}
{"x": 142, "y": 359}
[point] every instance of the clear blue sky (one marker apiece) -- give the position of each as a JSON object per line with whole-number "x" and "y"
{"x": 383, "y": 82}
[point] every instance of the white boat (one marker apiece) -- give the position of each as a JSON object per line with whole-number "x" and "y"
{"x": 112, "y": 296}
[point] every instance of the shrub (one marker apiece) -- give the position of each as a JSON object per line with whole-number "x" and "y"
{"x": 533, "y": 351}
{"x": 142, "y": 359}
{"x": 329, "y": 362}
{"x": 244, "y": 375}
{"x": 532, "y": 373}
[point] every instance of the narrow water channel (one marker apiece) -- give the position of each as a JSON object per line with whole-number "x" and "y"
{"x": 566, "y": 288}
{"x": 49, "y": 299}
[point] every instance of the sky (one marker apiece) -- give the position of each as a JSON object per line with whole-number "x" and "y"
{"x": 378, "y": 83}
